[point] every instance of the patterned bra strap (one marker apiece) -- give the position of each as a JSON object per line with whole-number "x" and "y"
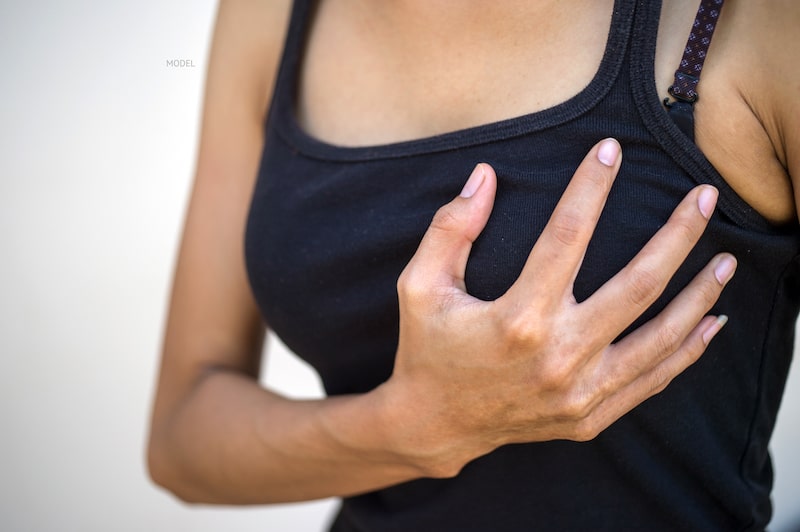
{"x": 684, "y": 87}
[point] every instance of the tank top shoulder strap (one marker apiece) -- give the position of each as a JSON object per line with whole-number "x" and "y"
{"x": 687, "y": 76}
{"x": 286, "y": 80}
{"x": 675, "y": 141}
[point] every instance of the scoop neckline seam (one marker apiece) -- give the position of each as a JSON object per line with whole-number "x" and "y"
{"x": 284, "y": 121}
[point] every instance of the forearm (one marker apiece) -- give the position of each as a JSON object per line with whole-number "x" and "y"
{"x": 232, "y": 442}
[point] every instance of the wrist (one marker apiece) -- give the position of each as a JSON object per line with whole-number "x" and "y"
{"x": 413, "y": 427}
{"x": 360, "y": 428}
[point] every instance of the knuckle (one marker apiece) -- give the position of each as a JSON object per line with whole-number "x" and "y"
{"x": 661, "y": 385}
{"x": 403, "y": 279}
{"x": 557, "y": 374}
{"x": 616, "y": 378}
{"x": 660, "y": 379}
{"x": 603, "y": 177}
{"x": 586, "y": 429}
{"x": 668, "y": 339}
{"x": 567, "y": 228}
{"x": 643, "y": 287}
{"x": 404, "y": 282}
{"x": 524, "y": 330}
{"x": 709, "y": 291}
{"x": 598, "y": 177}
{"x": 410, "y": 289}
{"x": 442, "y": 470}
{"x": 577, "y": 407}
{"x": 687, "y": 229}
{"x": 445, "y": 219}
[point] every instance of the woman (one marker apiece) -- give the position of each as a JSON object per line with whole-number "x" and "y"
{"x": 504, "y": 385}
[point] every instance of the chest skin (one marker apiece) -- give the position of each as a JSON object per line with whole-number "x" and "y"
{"x": 382, "y": 72}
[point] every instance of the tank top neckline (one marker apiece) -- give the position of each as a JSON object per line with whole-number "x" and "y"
{"x": 284, "y": 118}
{"x": 626, "y": 39}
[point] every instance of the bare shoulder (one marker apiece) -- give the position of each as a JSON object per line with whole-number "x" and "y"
{"x": 247, "y": 42}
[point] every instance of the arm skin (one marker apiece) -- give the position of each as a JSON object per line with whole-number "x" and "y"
{"x": 212, "y": 435}
{"x": 754, "y": 90}
{"x": 218, "y": 437}
{"x": 783, "y": 43}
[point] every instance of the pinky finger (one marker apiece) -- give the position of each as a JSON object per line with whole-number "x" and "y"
{"x": 712, "y": 330}
{"x": 656, "y": 379}
{"x": 648, "y": 359}
{"x": 682, "y": 320}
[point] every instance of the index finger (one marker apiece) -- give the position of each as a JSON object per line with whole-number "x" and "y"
{"x": 559, "y": 251}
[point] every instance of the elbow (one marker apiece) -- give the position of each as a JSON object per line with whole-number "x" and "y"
{"x": 158, "y": 465}
{"x": 165, "y": 472}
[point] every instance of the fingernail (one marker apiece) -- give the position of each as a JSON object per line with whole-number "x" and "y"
{"x": 474, "y": 182}
{"x": 723, "y": 271}
{"x": 707, "y": 200}
{"x": 714, "y": 328}
{"x": 608, "y": 152}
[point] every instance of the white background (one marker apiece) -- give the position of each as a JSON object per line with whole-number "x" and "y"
{"x": 97, "y": 146}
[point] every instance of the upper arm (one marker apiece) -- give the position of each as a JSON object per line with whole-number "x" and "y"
{"x": 213, "y": 320}
{"x": 792, "y": 142}
{"x": 790, "y": 116}
{"x": 781, "y": 45}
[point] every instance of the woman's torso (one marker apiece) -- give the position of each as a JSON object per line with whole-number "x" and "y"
{"x": 359, "y": 153}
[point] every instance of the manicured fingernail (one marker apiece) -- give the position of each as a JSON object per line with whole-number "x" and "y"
{"x": 608, "y": 152}
{"x": 723, "y": 271}
{"x": 474, "y": 182}
{"x": 707, "y": 200}
{"x": 714, "y": 328}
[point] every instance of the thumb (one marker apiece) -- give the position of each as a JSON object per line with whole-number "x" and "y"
{"x": 441, "y": 258}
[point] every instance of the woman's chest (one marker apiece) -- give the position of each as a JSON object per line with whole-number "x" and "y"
{"x": 373, "y": 75}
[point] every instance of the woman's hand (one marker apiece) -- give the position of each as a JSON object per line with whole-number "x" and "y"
{"x": 535, "y": 365}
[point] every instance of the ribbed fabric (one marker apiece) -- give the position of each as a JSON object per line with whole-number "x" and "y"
{"x": 331, "y": 228}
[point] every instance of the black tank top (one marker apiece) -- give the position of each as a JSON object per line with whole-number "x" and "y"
{"x": 330, "y": 229}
